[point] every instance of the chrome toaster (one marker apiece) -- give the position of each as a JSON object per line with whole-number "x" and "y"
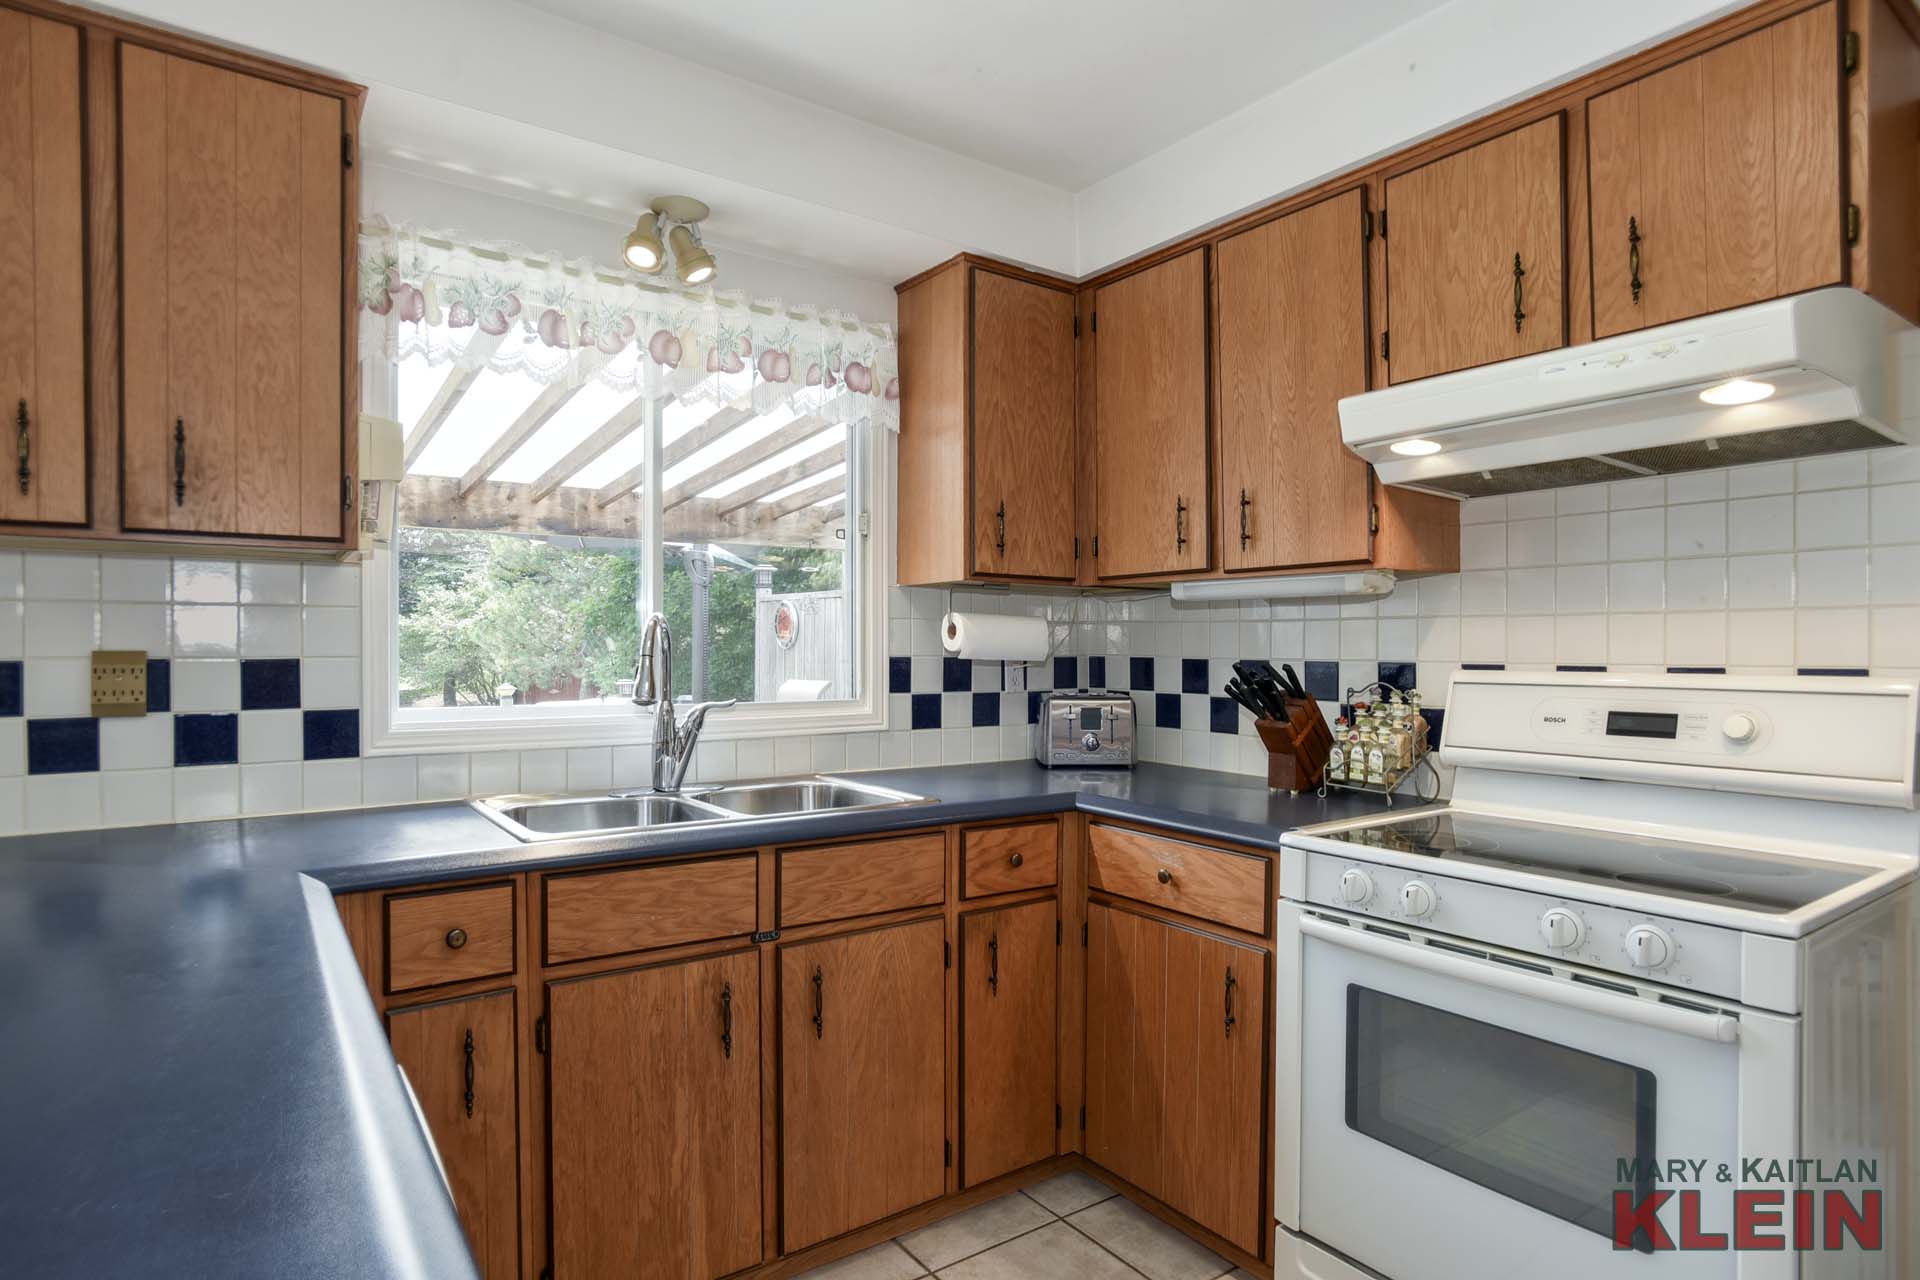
{"x": 1079, "y": 728}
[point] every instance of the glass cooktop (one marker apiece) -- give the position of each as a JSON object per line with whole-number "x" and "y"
{"x": 1770, "y": 883}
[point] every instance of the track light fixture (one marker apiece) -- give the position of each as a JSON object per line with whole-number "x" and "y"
{"x": 671, "y": 227}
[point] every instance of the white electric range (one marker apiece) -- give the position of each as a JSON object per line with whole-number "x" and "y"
{"x": 1662, "y": 918}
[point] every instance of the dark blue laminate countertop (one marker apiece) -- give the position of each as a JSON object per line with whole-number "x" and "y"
{"x": 195, "y": 1079}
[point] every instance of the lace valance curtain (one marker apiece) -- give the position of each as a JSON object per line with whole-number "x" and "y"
{"x": 438, "y": 295}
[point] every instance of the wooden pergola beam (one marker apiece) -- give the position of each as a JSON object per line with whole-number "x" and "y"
{"x": 807, "y": 497}
{"x": 460, "y": 376}
{"x": 733, "y": 415}
{"x": 805, "y": 469}
{"x": 584, "y": 365}
{"x": 799, "y": 430}
{"x": 499, "y": 507}
{"x": 627, "y": 420}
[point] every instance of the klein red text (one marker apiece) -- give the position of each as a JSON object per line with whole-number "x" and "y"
{"x": 1762, "y": 1221}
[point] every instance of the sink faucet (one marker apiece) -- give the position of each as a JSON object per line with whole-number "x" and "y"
{"x": 653, "y": 687}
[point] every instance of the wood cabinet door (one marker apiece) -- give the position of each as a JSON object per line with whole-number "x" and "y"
{"x": 1476, "y": 254}
{"x": 232, "y": 276}
{"x": 654, "y": 1087}
{"x": 1215, "y": 1090}
{"x": 1716, "y": 182}
{"x": 1150, "y": 426}
{"x": 862, "y": 1078}
{"x": 459, "y": 1057}
{"x": 1009, "y": 1039}
{"x": 43, "y": 393}
{"x": 1127, "y": 1048}
{"x": 1290, "y": 339}
{"x": 1023, "y": 430}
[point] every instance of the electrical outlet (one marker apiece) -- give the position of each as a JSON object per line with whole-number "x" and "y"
{"x": 119, "y": 682}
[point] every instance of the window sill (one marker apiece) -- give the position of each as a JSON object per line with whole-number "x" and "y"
{"x": 509, "y": 730}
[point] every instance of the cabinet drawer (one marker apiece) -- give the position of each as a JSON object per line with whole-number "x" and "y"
{"x": 449, "y": 935}
{"x": 1003, "y": 859}
{"x": 834, "y": 882}
{"x": 603, "y": 913}
{"x": 1230, "y": 888}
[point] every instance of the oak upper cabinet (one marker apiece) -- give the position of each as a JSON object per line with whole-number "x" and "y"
{"x": 43, "y": 393}
{"x": 1008, "y": 1038}
{"x": 1290, "y": 339}
{"x": 987, "y": 475}
{"x": 459, "y": 1058}
{"x": 1150, "y": 420}
{"x": 233, "y": 274}
{"x": 1475, "y": 254}
{"x": 863, "y": 1080}
{"x": 1176, "y": 1053}
{"x": 1716, "y": 181}
{"x": 654, "y": 1087}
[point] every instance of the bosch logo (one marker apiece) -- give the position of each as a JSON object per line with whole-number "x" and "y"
{"x": 1554, "y": 719}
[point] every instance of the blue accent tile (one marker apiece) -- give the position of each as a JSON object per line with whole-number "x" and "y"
{"x": 269, "y": 684}
{"x": 1483, "y": 666}
{"x": 1223, "y": 715}
{"x": 1033, "y": 708}
{"x": 1833, "y": 671}
{"x": 1193, "y": 675}
{"x": 65, "y": 745}
{"x": 206, "y": 739}
{"x": 986, "y": 710}
{"x": 1323, "y": 680}
{"x": 1696, "y": 671}
{"x": 1096, "y": 673}
{"x": 11, "y": 680}
{"x": 956, "y": 675}
{"x": 1139, "y": 673}
{"x": 159, "y": 684}
{"x": 1434, "y": 715}
{"x": 1399, "y": 675}
{"x": 926, "y": 711}
{"x": 1066, "y": 672}
{"x": 899, "y": 675}
{"x": 1166, "y": 710}
{"x": 1576, "y": 666}
{"x": 330, "y": 735}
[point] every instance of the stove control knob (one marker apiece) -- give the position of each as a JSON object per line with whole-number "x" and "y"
{"x": 1561, "y": 928}
{"x": 1739, "y": 727}
{"x": 1416, "y": 899}
{"x": 1356, "y": 887}
{"x": 1648, "y": 946}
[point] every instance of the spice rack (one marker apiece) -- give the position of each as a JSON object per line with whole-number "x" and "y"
{"x": 1391, "y": 775}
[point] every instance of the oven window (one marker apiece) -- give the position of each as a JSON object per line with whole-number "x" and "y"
{"x": 1535, "y": 1121}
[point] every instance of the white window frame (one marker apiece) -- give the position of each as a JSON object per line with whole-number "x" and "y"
{"x": 550, "y": 725}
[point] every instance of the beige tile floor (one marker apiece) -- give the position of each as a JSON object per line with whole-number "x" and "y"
{"x": 1073, "y": 1227}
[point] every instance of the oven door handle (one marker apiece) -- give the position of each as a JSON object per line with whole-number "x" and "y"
{"x": 1716, "y": 1027}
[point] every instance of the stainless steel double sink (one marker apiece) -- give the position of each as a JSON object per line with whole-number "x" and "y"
{"x": 573, "y": 817}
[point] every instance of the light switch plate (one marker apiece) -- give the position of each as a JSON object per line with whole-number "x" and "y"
{"x": 119, "y": 682}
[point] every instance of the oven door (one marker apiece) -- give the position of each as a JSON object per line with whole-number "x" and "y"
{"x": 1460, "y": 1117}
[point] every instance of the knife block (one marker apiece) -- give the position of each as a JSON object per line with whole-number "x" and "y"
{"x": 1297, "y": 747}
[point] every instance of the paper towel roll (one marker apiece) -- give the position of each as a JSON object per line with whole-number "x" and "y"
{"x": 992, "y": 637}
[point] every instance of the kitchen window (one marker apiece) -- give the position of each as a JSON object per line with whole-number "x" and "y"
{"x": 585, "y": 448}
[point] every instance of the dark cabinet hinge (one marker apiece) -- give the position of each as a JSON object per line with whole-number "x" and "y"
{"x": 1058, "y": 1117}
{"x": 1850, "y": 52}
{"x": 1076, "y": 326}
{"x": 540, "y": 1034}
{"x": 1373, "y": 519}
{"x": 1076, "y": 546}
{"x": 1083, "y": 1119}
{"x": 346, "y": 150}
{"x": 1853, "y": 224}
{"x": 1383, "y": 345}
{"x": 1083, "y": 933}
{"x": 1093, "y": 321}
{"x": 949, "y": 953}
{"x": 949, "y": 1153}
{"x": 1059, "y": 932}
{"x": 1366, "y": 224}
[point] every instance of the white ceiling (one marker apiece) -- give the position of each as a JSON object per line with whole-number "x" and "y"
{"x": 1063, "y": 91}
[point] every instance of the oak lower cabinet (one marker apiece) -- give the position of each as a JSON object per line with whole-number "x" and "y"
{"x": 1176, "y": 1056}
{"x": 43, "y": 392}
{"x": 987, "y": 471}
{"x": 459, "y": 1057}
{"x": 1150, "y": 421}
{"x": 863, "y": 1080}
{"x": 1009, "y": 1038}
{"x": 1476, "y": 254}
{"x": 654, "y": 1088}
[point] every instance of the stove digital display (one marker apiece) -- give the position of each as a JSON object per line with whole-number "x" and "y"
{"x": 1642, "y": 724}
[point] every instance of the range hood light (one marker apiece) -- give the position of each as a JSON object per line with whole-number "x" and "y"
{"x": 1737, "y": 391}
{"x": 1416, "y": 448}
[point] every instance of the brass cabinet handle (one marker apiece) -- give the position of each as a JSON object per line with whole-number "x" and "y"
{"x": 179, "y": 462}
{"x": 1166, "y": 876}
{"x": 726, "y": 1019}
{"x": 1015, "y": 859}
{"x": 1519, "y": 274}
{"x": 26, "y": 449}
{"x": 993, "y": 964}
{"x": 1633, "y": 257}
{"x": 1000, "y": 538}
{"x": 819, "y": 1004}
{"x": 1245, "y": 536}
{"x": 469, "y": 1073}
{"x": 456, "y": 938}
{"x": 1228, "y": 1000}
{"x": 1179, "y": 524}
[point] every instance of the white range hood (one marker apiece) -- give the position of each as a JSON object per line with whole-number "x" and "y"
{"x": 1835, "y": 360}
